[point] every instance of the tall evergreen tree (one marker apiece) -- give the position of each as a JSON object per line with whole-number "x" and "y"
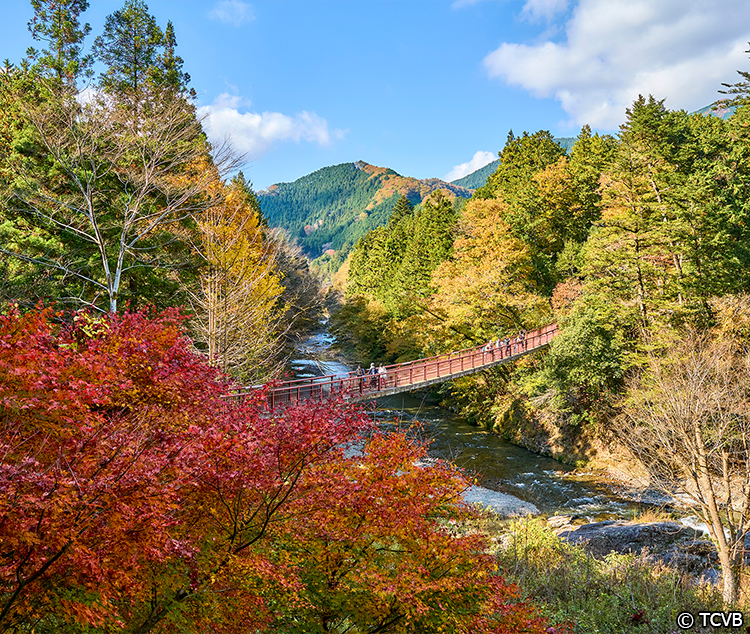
{"x": 129, "y": 48}
{"x": 167, "y": 71}
{"x": 403, "y": 208}
{"x": 740, "y": 90}
{"x": 56, "y": 23}
{"x": 431, "y": 243}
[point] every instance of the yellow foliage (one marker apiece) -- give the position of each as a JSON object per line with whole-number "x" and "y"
{"x": 489, "y": 281}
{"x": 240, "y": 285}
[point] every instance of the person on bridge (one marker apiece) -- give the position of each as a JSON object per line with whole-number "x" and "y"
{"x": 382, "y": 377}
{"x": 507, "y": 346}
{"x": 360, "y": 372}
{"x": 373, "y": 372}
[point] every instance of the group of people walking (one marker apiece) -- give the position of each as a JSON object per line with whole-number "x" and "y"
{"x": 507, "y": 347}
{"x": 376, "y": 376}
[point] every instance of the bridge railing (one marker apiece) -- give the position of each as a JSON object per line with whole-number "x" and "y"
{"x": 401, "y": 375}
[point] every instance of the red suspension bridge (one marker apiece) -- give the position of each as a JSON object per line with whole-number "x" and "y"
{"x": 412, "y": 375}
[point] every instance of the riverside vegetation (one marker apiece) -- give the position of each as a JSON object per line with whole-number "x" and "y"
{"x": 637, "y": 246}
{"x": 135, "y": 497}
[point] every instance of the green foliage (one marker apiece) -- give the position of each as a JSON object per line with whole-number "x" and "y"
{"x": 609, "y": 596}
{"x": 360, "y": 327}
{"x": 586, "y": 361}
{"x": 79, "y": 220}
{"x": 333, "y": 197}
{"x": 673, "y": 228}
{"x": 478, "y": 179}
{"x": 590, "y": 156}
{"x": 336, "y": 206}
{"x": 129, "y": 48}
{"x": 56, "y": 23}
{"x": 394, "y": 264}
{"x": 520, "y": 159}
{"x": 430, "y": 243}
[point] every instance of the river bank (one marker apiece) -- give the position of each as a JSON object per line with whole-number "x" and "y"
{"x": 532, "y": 483}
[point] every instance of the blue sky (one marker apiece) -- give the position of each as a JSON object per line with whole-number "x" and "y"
{"x": 428, "y": 88}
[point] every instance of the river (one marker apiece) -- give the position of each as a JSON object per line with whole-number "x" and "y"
{"x": 553, "y": 487}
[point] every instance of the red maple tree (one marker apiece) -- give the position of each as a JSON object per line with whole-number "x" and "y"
{"x": 134, "y": 496}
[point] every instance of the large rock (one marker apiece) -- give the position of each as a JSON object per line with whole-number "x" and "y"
{"x": 601, "y": 538}
{"x": 670, "y": 543}
{"x": 503, "y": 504}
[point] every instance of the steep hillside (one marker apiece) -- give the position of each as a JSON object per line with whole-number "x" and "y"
{"x": 330, "y": 209}
{"x": 476, "y": 179}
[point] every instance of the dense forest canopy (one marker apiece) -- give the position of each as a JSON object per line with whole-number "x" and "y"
{"x": 628, "y": 242}
{"x": 139, "y": 282}
{"x": 326, "y": 212}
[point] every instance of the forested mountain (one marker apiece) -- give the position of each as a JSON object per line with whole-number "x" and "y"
{"x": 479, "y": 177}
{"x": 333, "y": 207}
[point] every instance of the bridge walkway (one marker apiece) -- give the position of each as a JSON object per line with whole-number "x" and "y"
{"x": 408, "y": 376}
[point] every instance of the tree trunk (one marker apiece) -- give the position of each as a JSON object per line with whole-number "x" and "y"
{"x": 730, "y": 576}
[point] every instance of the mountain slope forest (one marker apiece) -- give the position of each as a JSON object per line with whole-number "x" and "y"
{"x": 638, "y": 245}
{"x": 326, "y": 212}
{"x": 140, "y": 286}
{"x": 329, "y": 210}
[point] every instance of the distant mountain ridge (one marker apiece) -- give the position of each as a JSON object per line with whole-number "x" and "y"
{"x": 478, "y": 178}
{"x": 330, "y": 209}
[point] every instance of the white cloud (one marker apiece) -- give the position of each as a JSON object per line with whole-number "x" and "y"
{"x": 255, "y": 134}
{"x": 233, "y": 12}
{"x": 543, "y": 9}
{"x": 614, "y": 50}
{"x": 479, "y": 160}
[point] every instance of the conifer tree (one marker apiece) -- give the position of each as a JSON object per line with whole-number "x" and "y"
{"x": 167, "y": 72}
{"x": 740, "y": 89}
{"x": 430, "y": 244}
{"x": 56, "y": 22}
{"x": 129, "y": 48}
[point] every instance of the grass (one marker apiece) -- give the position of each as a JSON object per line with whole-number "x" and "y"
{"x": 621, "y": 593}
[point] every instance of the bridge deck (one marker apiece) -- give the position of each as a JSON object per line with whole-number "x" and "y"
{"x": 405, "y": 377}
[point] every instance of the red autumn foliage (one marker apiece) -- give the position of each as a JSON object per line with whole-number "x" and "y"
{"x": 389, "y": 550}
{"x": 134, "y": 497}
{"x": 94, "y": 421}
